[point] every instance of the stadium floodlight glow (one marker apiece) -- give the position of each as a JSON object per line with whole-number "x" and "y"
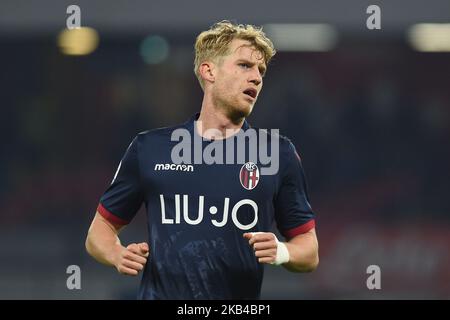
{"x": 154, "y": 49}
{"x": 430, "y": 37}
{"x": 302, "y": 37}
{"x": 79, "y": 41}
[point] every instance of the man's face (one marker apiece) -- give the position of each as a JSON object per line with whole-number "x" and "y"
{"x": 238, "y": 79}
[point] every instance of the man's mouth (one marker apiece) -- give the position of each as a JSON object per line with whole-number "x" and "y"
{"x": 251, "y": 92}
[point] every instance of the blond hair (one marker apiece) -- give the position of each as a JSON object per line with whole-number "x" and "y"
{"x": 214, "y": 43}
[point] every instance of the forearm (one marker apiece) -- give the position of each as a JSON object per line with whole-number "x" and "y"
{"x": 303, "y": 253}
{"x": 102, "y": 242}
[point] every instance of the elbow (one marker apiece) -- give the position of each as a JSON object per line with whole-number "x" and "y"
{"x": 88, "y": 245}
{"x": 314, "y": 260}
{"x": 310, "y": 265}
{"x": 314, "y": 263}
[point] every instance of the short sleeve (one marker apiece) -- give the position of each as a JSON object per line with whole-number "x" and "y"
{"x": 123, "y": 198}
{"x": 293, "y": 212}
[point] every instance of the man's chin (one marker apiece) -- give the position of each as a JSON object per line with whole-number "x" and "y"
{"x": 242, "y": 111}
{"x": 236, "y": 112}
{"x": 237, "y": 115}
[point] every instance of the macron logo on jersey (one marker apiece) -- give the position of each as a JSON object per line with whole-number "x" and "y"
{"x": 173, "y": 167}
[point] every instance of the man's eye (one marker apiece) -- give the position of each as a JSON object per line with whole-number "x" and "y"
{"x": 245, "y": 65}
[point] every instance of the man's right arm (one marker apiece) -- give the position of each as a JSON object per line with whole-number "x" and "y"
{"x": 103, "y": 244}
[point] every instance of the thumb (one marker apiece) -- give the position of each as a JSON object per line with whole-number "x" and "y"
{"x": 143, "y": 246}
{"x": 132, "y": 247}
{"x": 248, "y": 235}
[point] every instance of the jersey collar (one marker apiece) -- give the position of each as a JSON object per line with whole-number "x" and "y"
{"x": 195, "y": 117}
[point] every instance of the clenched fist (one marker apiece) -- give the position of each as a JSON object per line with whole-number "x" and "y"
{"x": 264, "y": 244}
{"x": 267, "y": 247}
{"x": 132, "y": 259}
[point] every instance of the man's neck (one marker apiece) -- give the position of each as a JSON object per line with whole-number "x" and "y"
{"x": 213, "y": 120}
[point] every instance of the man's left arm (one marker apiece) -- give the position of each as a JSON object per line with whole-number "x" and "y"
{"x": 303, "y": 252}
{"x": 299, "y": 254}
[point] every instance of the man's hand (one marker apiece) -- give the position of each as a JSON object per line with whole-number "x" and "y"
{"x": 265, "y": 245}
{"x": 132, "y": 259}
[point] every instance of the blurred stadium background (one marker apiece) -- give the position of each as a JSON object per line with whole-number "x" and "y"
{"x": 368, "y": 111}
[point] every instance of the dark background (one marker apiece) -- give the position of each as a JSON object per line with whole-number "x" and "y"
{"x": 370, "y": 119}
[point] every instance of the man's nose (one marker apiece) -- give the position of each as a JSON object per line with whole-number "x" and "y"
{"x": 256, "y": 77}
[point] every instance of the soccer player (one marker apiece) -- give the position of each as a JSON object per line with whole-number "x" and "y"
{"x": 209, "y": 225}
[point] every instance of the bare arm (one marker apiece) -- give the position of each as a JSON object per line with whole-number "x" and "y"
{"x": 303, "y": 250}
{"x": 103, "y": 244}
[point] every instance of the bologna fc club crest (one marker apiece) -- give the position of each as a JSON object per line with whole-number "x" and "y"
{"x": 249, "y": 175}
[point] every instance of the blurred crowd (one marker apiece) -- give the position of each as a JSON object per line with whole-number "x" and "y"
{"x": 371, "y": 123}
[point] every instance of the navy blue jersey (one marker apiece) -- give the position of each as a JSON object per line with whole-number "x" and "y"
{"x": 197, "y": 215}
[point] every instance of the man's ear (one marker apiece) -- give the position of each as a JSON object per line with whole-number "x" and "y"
{"x": 207, "y": 71}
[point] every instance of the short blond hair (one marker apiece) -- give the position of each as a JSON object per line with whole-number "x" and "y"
{"x": 214, "y": 43}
